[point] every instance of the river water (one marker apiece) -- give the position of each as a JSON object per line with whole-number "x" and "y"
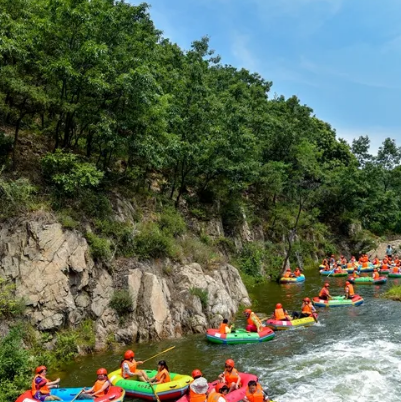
{"x": 351, "y": 355}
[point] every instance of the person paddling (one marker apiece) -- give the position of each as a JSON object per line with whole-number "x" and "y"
{"x": 100, "y": 387}
{"x": 324, "y": 293}
{"x": 224, "y": 327}
{"x": 129, "y": 367}
{"x": 307, "y": 309}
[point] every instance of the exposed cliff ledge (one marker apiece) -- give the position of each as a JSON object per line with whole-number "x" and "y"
{"x": 54, "y": 273}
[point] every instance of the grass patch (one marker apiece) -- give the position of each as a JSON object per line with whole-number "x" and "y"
{"x": 100, "y": 247}
{"x": 197, "y": 251}
{"x": 202, "y": 294}
{"x": 121, "y": 302}
{"x": 10, "y": 306}
{"x": 394, "y": 293}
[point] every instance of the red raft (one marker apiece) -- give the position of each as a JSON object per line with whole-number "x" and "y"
{"x": 233, "y": 396}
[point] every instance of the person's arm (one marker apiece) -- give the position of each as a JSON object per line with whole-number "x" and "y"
{"x": 53, "y": 384}
{"x": 89, "y": 391}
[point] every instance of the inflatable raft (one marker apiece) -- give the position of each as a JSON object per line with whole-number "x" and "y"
{"x": 233, "y": 396}
{"x": 369, "y": 268}
{"x": 239, "y": 336}
{"x": 367, "y": 280}
{"x": 384, "y": 271}
{"x": 137, "y": 389}
{"x": 295, "y": 279}
{"x": 333, "y": 274}
{"x": 394, "y": 275}
{"x": 68, "y": 394}
{"x": 299, "y": 322}
{"x": 338, "y": 301}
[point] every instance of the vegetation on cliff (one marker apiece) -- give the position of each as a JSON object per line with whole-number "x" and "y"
{"x": 113, "y": 106}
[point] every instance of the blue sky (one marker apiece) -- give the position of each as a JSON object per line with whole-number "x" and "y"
{"x": 340, "y": 57}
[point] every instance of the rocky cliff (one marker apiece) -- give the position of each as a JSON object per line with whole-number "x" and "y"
{"x": 62, "y": 285}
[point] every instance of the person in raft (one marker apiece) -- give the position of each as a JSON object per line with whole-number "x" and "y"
{"x": 100, "y": 387}
{"x": 297, "y": 272}
{"x": 162, "y": 375}
{"x": 230, "y": 376}
{"x": 198, "y": 387}
{"x": 255, "y": 393}
{"x": 324, "y": 293}
{"x": 307, "y": 309}
{"x": 280, "y": 314}
{"x": 218, "y": 393}
{"x": 253, "y": 321}
{"x": 349, "y": 290}
{"x": 375, "y": 275}
{"x": 41, "y": 386}
{"x": 128, "y": 367}
{"x": 225, "y": 328}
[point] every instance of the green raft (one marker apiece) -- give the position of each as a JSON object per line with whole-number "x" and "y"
{"x": 239, "y": 336}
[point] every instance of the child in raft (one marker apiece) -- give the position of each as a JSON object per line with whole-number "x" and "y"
{"x": 162, "y": 375}
{"x": 100, "y": 387}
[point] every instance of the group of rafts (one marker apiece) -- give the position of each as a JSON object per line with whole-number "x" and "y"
{"x": 160, "y": 384}
{"x": 151, "y": 385}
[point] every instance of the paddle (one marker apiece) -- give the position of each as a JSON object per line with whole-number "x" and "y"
{"x": 77, "y": 395}
{"x": 164, "y": 351}
{"x": 154, "y": 392}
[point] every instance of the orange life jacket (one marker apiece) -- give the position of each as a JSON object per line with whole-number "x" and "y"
{"x": 350, "y": 265}
{"x": 355, "y": 274}
{"x": 214, "y": 397}
{"x": 231, "y": 377}
{"x": 395, "y": 270}
{"x": 307, "y": 308}
{"x": 351, "y": 291}
{"x": 253, "y": 319}
{"x": 257, "y": 396}
{"x": 287, "y": 274}
{"x": 324, "y": 292}
{"x": 384, "y": 266}
{"x": 375, "y": 275}
{"x": 131, "y": 366}
{"x": 222, "y": 328}
{"x": 279, "y": 314}
{"x": 98, "y": 386}
{"x": 297, "y": 272}
{"x": 194, "y": 397}
{"x": 365, "y": 264}
{"x": 44, "y": 389}
{"x": 164, "y": 373}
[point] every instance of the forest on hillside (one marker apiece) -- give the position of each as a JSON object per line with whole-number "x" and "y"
{"x": 118, "y": 104}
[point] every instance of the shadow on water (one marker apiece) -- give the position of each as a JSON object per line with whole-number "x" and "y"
{"x": 353, "y": 354}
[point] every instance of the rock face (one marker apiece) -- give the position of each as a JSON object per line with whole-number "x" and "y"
{"x": 380, "y": 251}
{"x": 54, "y": 273}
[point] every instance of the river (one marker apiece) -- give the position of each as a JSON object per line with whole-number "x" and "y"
{"x": 351, "y": 355}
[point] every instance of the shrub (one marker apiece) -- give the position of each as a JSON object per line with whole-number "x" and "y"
{"x": 95, "y": 205}
{"x": 86, "y": 335}
{"x": 16, "y": 366}
{"x": 202, "y": 294}
{"x": 67, "y": 221}
{"x": 15, "y": 196}
{"x": 171, "y": 222}
{"x": 10, "y": 306}
{"x": 121, "y": 302}
{"x": 151, "y": 242}
{"x": 66, "y": 347}
{"x": 394, "y": 293}
{"x": 100, "y": 248}
{"x": 197, "y": 251}
{"x": 121, "y": 232}
{"x": 251, "y": 259}
{"x": 69, "y": 173}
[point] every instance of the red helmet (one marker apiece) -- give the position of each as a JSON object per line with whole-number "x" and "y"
{"x": 230, "y": 362}
{"x": 288, "y": 269}
{"x": 219, "y": 387}
{"x": 248, "y": 311}
{"x": 327, "y": 284}
{"x": 374, "y": 269}
{"x": 196, "y": 373}
{"x": 348, "y": 283}
{"x": 129, "y": 354}
{"x": 306, "y": 299}
{"x": 101, "y": 371}
{"x": 279, "y": 305}
{"x": 40, "y": 369}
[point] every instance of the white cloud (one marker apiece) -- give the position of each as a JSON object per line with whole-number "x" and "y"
{"x": 241, "y": 50}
